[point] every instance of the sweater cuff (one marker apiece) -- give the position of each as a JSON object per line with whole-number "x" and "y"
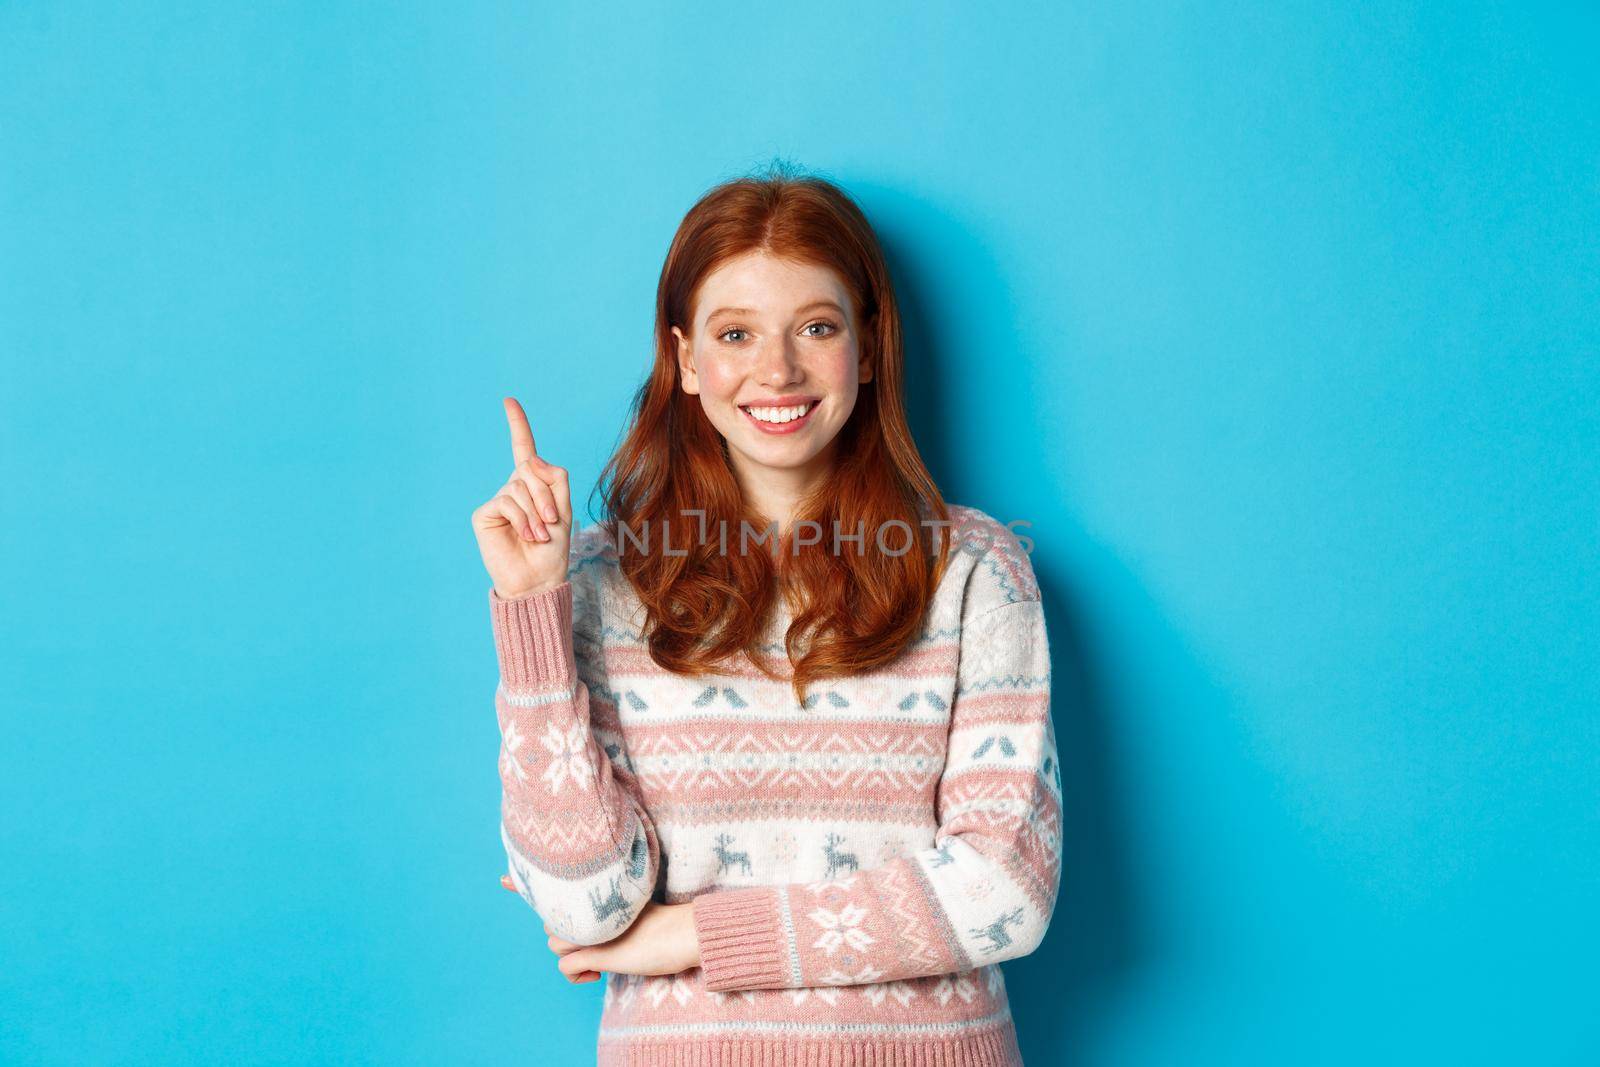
{"x": 533, "y": 638}
{"x": 741, "y": 938}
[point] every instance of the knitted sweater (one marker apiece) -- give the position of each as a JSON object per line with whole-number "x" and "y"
{"x": 859, "y": 866}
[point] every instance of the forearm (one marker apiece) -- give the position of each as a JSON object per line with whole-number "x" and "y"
{"x": 581, "y": 848}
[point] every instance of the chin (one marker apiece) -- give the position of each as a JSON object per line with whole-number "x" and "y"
{"x": 781, "y": 458}
{"x": 779, "y": 453}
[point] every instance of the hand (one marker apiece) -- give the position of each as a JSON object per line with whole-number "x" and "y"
{"x": 525, "y": 529}
{"x": 662, "y": 940}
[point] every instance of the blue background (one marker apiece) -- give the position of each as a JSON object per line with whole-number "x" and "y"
{"x": 1278, "y": 323}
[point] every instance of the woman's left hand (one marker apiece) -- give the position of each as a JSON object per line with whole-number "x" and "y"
{"x": 662, "y": 940}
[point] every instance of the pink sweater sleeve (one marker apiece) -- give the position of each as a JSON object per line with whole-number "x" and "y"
{"x": 983, "y": 893}
{"x": 580, "y": 844}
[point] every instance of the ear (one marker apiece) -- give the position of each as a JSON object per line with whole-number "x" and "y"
{"x": 864, "y": 370}
{"x": 686, "y": 372}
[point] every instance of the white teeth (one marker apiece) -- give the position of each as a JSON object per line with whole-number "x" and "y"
{"x": 779, "y": 415}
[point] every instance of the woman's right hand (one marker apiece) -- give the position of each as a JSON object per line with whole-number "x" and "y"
{"x": 525, "y": 529}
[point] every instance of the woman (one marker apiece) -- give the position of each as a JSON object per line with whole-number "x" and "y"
{"x": 777, "y": 755}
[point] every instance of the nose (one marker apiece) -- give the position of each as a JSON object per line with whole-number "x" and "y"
{"x": 778, "y": 364}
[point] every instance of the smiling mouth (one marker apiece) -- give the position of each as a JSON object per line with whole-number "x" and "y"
{"x": 768, "y": 415}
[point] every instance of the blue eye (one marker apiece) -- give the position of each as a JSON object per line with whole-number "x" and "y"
{"x": 830, "y": 327}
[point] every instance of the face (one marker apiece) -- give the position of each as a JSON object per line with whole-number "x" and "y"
{"x": 773, "y": 355}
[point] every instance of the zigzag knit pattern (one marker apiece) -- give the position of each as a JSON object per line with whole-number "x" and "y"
{"x": 859, "y": 865}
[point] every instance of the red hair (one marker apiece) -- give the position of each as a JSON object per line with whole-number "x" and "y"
{"x": 851, "y": 612}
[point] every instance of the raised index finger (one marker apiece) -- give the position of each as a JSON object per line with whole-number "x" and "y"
{"x": 521, "y": 432}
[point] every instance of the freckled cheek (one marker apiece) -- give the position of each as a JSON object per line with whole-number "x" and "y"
{"x": 841, "y": 381}
{"x": 719, "y": 382}
{"x": 844, "y": 369}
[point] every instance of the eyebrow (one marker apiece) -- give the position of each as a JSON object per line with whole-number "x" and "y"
{"x": 747, "y": 311}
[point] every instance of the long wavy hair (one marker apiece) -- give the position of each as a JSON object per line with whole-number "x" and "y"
{"x": 851, "y": 610}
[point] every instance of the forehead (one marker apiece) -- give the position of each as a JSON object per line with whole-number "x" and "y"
{"x": 767, "y": 285}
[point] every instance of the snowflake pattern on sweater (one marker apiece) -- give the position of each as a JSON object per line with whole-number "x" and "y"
{"x": 859, "y": 864}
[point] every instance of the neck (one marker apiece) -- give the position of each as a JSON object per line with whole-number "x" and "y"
{"x": 775, "y": 494}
